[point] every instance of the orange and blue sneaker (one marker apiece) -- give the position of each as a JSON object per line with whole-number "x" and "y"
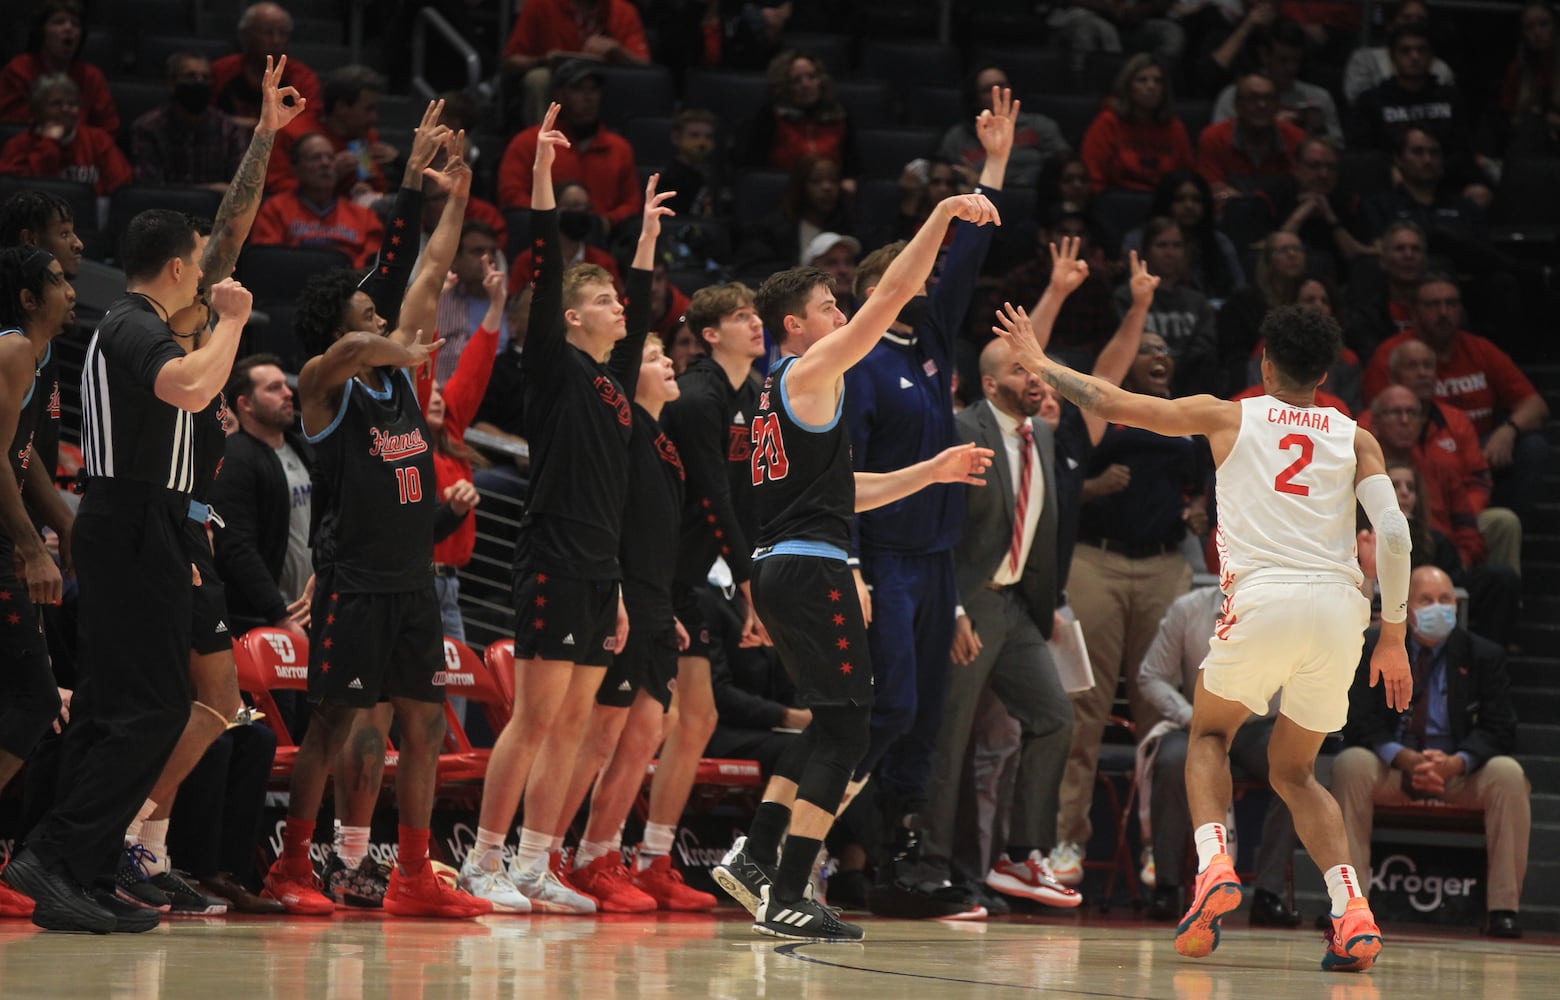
{"x": 1353, "y": 940}
{"x": 1218, "y": 892}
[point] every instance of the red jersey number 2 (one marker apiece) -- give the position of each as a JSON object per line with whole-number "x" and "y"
{"x": 1285, "y": 481}
{"x": 769, "y": 461}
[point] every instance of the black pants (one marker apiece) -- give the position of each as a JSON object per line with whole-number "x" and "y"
{"x": 132, "y": 697}
{"x": 216, "y": 818}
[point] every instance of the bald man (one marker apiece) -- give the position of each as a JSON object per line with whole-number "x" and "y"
{"x": 263, "y": 30}
{"x": 1005, "y": 567}
{"x": 1453, "y": 744}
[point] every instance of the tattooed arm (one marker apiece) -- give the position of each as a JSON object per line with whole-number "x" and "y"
{"x": 1217, "y": 419}
{"x": 237, "y": 213}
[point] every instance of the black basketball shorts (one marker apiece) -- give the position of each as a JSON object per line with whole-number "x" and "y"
{"x": 208, "y": 610}
{"x": 561, "y": 618}
{"x": 366, "y": 648}
{"x": 809, "y": 606}
{"x": 649, "y": 659}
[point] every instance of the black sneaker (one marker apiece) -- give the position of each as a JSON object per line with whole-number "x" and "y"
{"x": 363, "y": 886}
{"x": 185, "y": 899}
{"x": 133, "y": 880}
{"x": 59, "y": 903}
{"x": 923, "y": 901}
{"x": 804, "y": 920}
{"x": 742, "y": 877}
{"x": 128, "y": 917}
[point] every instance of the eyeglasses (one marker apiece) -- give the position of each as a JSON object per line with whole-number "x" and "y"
{"x": 1400, "y": 413}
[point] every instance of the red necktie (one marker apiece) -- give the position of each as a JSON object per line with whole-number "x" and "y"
{"x": 1026, "y": 447}
{"x": 1419, "y": 714}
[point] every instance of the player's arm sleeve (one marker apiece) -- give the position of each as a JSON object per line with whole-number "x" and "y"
{"x": 1393, "y": 545}
{"x": 544, "y": 347}
{"x": 699, "y": 428}
{"x": 392, "y": 272}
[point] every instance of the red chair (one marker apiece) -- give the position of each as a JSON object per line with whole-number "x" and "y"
{"x": 273, "y": 659}
{"x": 500, "y": 660}
{"x": 465, "y": 676}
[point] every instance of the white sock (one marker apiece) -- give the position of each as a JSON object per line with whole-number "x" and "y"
{"x": 489, "y": 850}
{"x": 351, "y": 845}
{"x": 533, "y": 849}
{"x": 657, "y": 842}
{"x": 1342, "y": 886}
{"x": 133, "y": 831}
{"x": 554, "y": 844}
{"x": 154, "y": 837}
{"x": 1211, "y": 840}
{"x": 616, "y": 842}
{"x": 590, "y": 850}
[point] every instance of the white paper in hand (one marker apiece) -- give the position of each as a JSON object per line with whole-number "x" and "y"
{"x": 1070, "y": 654}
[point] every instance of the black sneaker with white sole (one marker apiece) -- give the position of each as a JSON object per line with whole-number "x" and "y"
{"x": 742, "y": 877}
{"x": 133, "y": 880}
{"x": 803, "y": 920}
{"x": 128, "y": 917}
{"x": 186, "y": 900}
{"x": 59, "y": 903}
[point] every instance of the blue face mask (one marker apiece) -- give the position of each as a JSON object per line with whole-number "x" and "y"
{"x": 1435, "y": 622}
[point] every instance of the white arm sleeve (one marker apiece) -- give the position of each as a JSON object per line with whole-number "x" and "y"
{"x": 1393, "y": 545}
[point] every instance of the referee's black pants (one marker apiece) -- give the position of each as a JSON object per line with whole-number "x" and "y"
{"x": 132, "y": 698}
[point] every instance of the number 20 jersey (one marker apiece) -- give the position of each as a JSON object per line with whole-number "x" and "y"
{"x": 806, "y": 490}
{"x": 374, "y": 491}
{"x": 1286, "y": 495}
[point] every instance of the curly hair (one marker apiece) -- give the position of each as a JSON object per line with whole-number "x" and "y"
{"x": 22, "y": 268}
{"x": 321, "y": 309}
{"x": 1302, "y": 343}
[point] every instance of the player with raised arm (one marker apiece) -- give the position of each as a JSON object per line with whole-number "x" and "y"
{"x": 376, "y": 617}
{"x": 802, "y": 588}
{"x": 1293, "y": 618}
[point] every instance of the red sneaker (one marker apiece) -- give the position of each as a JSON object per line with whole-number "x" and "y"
{"x": 561, "y": 864}
{"x": 13, "y": 903}
{"x": 606, "y": 881}
{"x": 664, "y": 884}
{"x": 300, "y": 891}
{"x": 425, "y": 894}
{"x": 1353, "y": 940}
{"x": 1218, "y": 892}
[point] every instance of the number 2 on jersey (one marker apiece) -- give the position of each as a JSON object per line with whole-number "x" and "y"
{"x": 768, "y": 457}
{"x": 1285, "y": 481}
{"x": 409, "y": 480}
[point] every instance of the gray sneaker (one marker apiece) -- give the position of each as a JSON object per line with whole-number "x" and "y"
{"x": 492, "y": 885}
{"x": 742, "y": 877}
{"x": 548, "y": 893}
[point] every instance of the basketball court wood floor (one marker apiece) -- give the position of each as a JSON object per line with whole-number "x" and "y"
{"x": 361, "y": 957}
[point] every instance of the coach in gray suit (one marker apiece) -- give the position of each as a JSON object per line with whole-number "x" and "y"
{"x": 1006, "y": 569}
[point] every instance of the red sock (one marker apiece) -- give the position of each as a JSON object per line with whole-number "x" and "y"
{"x": 412, "y": 848}
{"x": 297, "y": 835}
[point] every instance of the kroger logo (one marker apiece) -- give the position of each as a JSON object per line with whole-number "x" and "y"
{"x": 1397, "y": 873}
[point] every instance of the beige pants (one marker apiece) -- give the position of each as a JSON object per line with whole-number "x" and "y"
{"x": 1119, "y": 602}
{"x": 1361, "y": 781}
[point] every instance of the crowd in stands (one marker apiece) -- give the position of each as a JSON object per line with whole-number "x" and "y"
{"x": 1245, "y": 150}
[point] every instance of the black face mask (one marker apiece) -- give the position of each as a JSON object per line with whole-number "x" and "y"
{"x": 192, "y": 97}
{"x": 574, "y": 225}
{"x": 913, "y": 313}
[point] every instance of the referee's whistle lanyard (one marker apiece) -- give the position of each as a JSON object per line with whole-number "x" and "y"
{"x": 202, "y": 513}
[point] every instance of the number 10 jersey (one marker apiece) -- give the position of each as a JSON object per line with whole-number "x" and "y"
{"x": 374, "y": 490}
{"x": 806, "y": 488}
{"x": 1286, "y": 495}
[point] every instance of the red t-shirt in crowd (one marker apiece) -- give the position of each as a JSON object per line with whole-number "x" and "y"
{"x": 604, "y": 164}
{"x": 19, "y": 75}
{"x": 288, "y": 220}
{"x": 1478, "y": 378}
{"x": 1448, "y": 429}
{"x": 1220, "y": 161}
{"x": 92, "y": 158}
{"x": 558, "y": 26}
{"x": 1132, "y": 156}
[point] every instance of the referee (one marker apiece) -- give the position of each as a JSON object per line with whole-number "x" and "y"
{"x": 140, "y": 393}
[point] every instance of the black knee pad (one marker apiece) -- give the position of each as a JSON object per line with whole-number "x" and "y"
{"x": 840, "y": 737}
{"x": 793, "y": 760}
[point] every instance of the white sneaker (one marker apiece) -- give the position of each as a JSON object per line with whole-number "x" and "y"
{"x": 492, "y": 885}
{"x": 546, "y": 893}
{"x": 1032, "y": 879}
{"x": 1066, "y": 863}
{"x": 1147, "y": 874}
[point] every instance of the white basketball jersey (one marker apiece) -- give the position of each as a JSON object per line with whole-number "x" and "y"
{"x": 1286, "y": 495}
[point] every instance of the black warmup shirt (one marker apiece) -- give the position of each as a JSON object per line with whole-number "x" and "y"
{"x": 374, "y": 493}
{"x": 655, "y": 481}
{"x": 712, "y": 425}
{"x": 126, "y": 431}
{"x": 578, "y": 419}
{"x": 805, "y": 488}
{"x": 1148, "y": 511}
{"x": 42, "y": 396}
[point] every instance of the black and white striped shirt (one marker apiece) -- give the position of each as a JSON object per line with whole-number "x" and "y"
{"x": 126, "y": 431}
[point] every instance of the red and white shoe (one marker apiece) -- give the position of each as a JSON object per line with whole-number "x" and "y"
{"x": 425, "y": 894}
{"x": 663, "y": 883}
{"x": 606, "y": 881}
{"x": 300, "y": 891}
{"x": 1032, "y": 879}
{"x": 13, "y": 903}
